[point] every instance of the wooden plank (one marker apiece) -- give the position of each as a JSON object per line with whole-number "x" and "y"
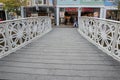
{"x": 60, "y": 55}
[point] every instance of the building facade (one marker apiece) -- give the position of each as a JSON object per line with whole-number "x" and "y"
{"x": 38, "y": 8}
{"x": 66, "y": 9}
{"x": 2, "y": 12}
{"x": 40, "y": 2}
{"x": 111, "y": 10}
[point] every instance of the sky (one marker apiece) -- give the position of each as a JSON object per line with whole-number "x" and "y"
{"x": 50, "y": 2}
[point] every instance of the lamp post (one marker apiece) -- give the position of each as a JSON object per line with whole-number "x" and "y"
{"x": 36, "y": 5}
{"x": 22, "y": 9}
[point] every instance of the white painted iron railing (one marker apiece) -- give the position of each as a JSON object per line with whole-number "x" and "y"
{"x": 105, "y": 34}
{"x": 15, "y": 34}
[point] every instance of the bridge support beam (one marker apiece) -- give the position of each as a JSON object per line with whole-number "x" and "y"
{"x": 22, "y": 12}
{"x": 57, "y": 14}
{"x": 102, "y": 12}
{"x": 79, "y": 13}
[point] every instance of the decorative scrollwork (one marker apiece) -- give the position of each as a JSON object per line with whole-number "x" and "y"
{"x": 17, "y": 33}
{"x": 117, "y": 46}
{"x": 103, "y": 33}
{"x": 3, "y": 39}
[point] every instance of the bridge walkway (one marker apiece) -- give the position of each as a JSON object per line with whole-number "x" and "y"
{"x": 62, "y": 54}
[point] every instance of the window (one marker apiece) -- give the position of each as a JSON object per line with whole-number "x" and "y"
{"x": 87, "y": 0}
{"x": 38, "y": 1}
{"x": 45, "y": 2}
{"x": 98, "y": 0}
{"x": 110, "y": 0}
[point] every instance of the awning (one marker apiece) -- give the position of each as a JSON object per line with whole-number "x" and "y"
{"x": 87, "y": 9}
{"x": 71, "y": 9}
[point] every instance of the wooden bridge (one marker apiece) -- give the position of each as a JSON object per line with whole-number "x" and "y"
{"x": 61, "y": 54}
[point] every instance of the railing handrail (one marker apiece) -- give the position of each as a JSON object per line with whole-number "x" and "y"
{"x": 103, "y": 19}
{"x": 17, "y": 33}
{"x": 21, "y": 19}
{"x": 103, "y": 33}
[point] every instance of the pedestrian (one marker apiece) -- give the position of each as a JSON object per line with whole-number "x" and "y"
{"x": 71, "y": 19}
{"x": 1, "y": 19}
{"x": 75, "y": 22}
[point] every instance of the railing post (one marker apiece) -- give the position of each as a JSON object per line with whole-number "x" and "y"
{"x": 22, "y": 11}
{"x": 17, "y": 33}
{"x": 106, "y": 35}
{"x": 50, "y": 23}
{"x": 96, "y": 29}
{"x": 57, "y": 20}
{"x": 8, "y": 37}
{"x": 115, "y": 39}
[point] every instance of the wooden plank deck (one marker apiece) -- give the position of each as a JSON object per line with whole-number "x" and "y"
{"x": 62, "y": 54}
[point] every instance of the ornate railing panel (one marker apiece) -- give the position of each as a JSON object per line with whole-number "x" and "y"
{"x": 105, "y": 34}
{"x": 15, "y": 34}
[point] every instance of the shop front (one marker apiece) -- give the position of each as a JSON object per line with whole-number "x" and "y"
{"x": 111, "y": 10}
{"x": 67, "y": 10}
{"x": 67, "y": 15}
{"x": 91, "y": 12}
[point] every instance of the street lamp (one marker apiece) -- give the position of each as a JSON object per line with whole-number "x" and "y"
{"x": 22, "y": 9}
{"x": 36, "y": 5}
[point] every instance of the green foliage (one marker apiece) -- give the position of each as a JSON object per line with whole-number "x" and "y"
{"x": 39, "y": 1}
{"x": 13, "y": 5}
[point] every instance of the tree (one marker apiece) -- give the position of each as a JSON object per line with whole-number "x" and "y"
{"x": 13, "y": 5}
{"x": 39, "y": 1}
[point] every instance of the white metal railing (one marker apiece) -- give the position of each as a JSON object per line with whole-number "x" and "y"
{"x": 105, "y": 34}
{"x": 15, "y": 34}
